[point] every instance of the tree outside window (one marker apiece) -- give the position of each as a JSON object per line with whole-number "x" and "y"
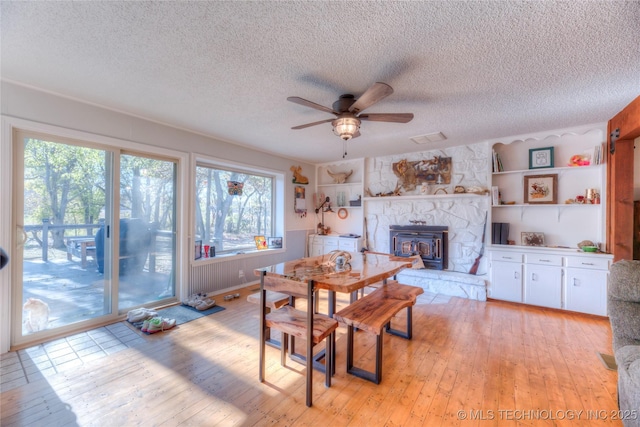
{"x": 229, "y": 220}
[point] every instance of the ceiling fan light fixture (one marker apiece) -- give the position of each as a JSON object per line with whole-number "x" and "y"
{"x": 346, "y": 127}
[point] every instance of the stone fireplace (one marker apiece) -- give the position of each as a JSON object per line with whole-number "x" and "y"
{"x": 428, "y": 241}
{"x": 461, "y": 215}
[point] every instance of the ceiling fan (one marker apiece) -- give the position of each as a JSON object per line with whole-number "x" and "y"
{"x": 347, "y": 110}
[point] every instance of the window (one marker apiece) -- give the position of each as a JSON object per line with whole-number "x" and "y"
{"x": 232, "y": 206}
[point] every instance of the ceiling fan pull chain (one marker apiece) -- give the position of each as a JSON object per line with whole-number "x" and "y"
{"x": 344, "y": 148}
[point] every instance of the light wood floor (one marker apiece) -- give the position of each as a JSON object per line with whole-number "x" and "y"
{"x": 469, "y": 363}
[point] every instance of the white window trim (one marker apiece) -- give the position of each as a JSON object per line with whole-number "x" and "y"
{"x": 278, "y": 201}
{"x": 8, "y": 238}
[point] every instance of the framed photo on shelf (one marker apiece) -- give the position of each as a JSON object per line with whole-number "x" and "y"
{"x": 274, "y": 242}
{"x": 530, "y": 238}
{"x": 540, "y": 158}
{"x": 261, "y": 242}
{"x": 541, "y": 189}
{"x": 198, "y": 249}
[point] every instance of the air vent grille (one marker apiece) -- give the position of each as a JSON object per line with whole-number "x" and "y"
{"x": 429, "y": 138}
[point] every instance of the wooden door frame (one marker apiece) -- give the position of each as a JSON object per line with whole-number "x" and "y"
{"x": 622, "y": 130}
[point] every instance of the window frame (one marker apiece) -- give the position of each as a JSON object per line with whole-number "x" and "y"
{"x": 277, "y": 202}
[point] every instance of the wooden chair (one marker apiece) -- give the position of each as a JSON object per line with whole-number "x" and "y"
{"x": 290, "y": 321}
{"x": 274, "y": 300}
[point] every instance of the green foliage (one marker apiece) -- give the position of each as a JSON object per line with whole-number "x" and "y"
{"x": 67, "y": 184}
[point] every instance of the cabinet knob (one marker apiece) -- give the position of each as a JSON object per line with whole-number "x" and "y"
{"x": 576, "y": 282}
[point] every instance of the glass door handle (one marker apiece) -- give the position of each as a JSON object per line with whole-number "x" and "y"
{"x": 21, "y": 235}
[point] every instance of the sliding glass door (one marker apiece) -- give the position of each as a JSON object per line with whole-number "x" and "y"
{"x": 64, "y": 205}
{"x": 147, "y": 230}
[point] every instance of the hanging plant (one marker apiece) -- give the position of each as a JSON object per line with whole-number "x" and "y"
{"x": 235, "y": 188}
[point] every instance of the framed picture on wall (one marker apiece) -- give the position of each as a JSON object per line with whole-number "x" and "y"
{"x": 540, "y": 158}
{"x": 541, "y": 189}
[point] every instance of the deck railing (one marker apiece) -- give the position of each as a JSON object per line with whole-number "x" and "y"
{"x": 47, "y": 227}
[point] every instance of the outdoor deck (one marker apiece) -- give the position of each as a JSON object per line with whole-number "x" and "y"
{"x": 75, "y": 294}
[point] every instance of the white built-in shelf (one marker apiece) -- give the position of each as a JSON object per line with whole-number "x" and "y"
{"x": 547, "y": 170}
{"x": 425, "y": 197}
{"x": 346, "y": 184}
{"x": 547, "y": 205}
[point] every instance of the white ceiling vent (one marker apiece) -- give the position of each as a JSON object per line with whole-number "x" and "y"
{"x": 430, "y": 137}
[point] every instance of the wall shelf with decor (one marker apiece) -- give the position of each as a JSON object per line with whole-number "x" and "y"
{"x": 561, "y": 210}
{"x": 342, "y": 182}
{"x": 550, "y": 187}
{"x": 425, "y": 197}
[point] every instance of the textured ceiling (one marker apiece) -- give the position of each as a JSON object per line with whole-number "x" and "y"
{"x": 471, "y": 70}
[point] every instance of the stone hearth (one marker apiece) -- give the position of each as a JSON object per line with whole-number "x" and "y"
{"x": 446, "y": 282}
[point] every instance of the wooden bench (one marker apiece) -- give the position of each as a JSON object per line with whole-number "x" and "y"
{"x": 373, "y": 312}
{"x": 274, "y": 301}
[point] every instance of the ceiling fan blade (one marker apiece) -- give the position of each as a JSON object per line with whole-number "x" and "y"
{"x": 306, "y": 103}
{"x": 375, "y": 93}
{"x": 312, "y": 124}
{"x": 387, "y": 117}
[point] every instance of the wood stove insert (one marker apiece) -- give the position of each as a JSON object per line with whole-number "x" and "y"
{"x": 428, "y": 241}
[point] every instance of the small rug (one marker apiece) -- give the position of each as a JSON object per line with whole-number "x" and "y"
{"x": 608, "y": 361}
{"x": 185, "y": 313}
{"x": 182, "y": 313}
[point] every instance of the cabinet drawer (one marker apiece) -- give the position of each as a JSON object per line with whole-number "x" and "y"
{"x": 506, "y": 256}
{"x": 330, "y": 243}
{"x": 350, "y": 245}
{"x": 544, "y": 259}
{"x": 594, "y": 262}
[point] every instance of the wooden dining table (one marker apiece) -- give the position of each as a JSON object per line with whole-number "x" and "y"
{"x": 363, "y": 269}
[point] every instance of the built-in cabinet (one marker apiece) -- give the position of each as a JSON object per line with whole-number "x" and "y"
{"x": 319, "y": 244}
{"x": 585, "y": 285}
{"x": 555, "y": 274}
{"x": 555, "y": 278}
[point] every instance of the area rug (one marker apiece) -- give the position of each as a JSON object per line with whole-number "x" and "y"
{"x": 185, "y": 313}
{"x": 608, "y": 361}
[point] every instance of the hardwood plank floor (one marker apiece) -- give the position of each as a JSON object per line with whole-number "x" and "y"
{"x": 470, "y": 363}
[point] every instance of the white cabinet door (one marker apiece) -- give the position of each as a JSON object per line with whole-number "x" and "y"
{"x": 586, "y": 291}
{"x": 330, "y": 244}
{"x": 316, "y": 249}
{"x": 348, "y": 244}
{"x": 543, "y": 285}
{"x": 506, "y": 281}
